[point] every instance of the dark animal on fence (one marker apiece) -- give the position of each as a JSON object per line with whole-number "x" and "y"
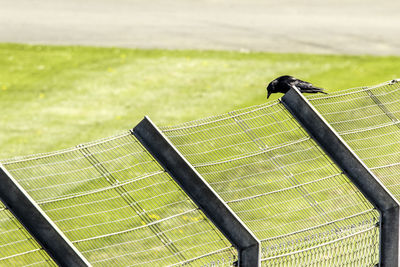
{"x": 284, "y": 83}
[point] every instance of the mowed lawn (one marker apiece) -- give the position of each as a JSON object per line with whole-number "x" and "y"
{"x": 55, "y": 97}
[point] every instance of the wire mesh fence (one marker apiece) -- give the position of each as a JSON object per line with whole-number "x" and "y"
{"x": 355, "y": 248}
{"x": 281, "y": 184}
{"x": 17, "y": 246}
{"x": 119, "y": 207}
{"x": 367, "y": 118}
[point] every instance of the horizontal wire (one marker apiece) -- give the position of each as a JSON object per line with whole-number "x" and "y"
{"x": 318, "y": 226}
{"x": 101, "y": 189}
{"x": 251, "y": 154}
{"x": 283, "y": 189}
{"x": 321, "y": 245}
{"x": 359, "y": 107}
{"x": 79, "y": 158}
{"x": 350, "y": 91}
{"x": 133, "y": 229}
{"x": 202, "y": 256}
{"x": 369, "y": 128}
{"x": 21, "y": 254}
{"x": 60, "y": 152}
{"x": 175, "y": 128}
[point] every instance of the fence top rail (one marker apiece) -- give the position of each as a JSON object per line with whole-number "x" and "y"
{"x": 353, "y": 90}
{"x": 16, "y": 159}
{"x": 218, "y": 118}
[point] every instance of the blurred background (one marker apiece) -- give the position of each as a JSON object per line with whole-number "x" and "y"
{"x": 75, "y": 71}
{"x": 341, "y": 27}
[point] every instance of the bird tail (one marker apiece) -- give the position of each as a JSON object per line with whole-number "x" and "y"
{"x": 314, "y": 90}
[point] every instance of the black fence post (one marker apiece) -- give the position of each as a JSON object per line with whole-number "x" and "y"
{"x": 355, "y": 169}
{"x": 38, "y": 224}
{"x": 200, "y": 192}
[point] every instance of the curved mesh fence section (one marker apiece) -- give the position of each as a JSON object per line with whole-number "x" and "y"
{"x": 17, "y": 246}
{"x": 367, "y": 119}
{"x": 119, "y": 207}
{"x": 282, "y": 185}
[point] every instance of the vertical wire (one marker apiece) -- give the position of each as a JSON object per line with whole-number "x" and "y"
{"x": 130, "y": 201}
{"x": 28, "y": 237}
{"x": 382, "y": 106}
{"x": 314, "y": 204}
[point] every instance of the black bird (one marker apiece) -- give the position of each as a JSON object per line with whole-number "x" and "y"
{"x": 284, "y": 83}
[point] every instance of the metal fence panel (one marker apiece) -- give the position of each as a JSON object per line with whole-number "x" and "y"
{"x": 355, "y": 169}
{"x": 367, "y": 118}
{"x": 200, "y": 192}
{"x": 119, "y": 207}
{"x": 17, "y": 246}
{"x": 32, "y": 217}
{"x": 281, "y": 184}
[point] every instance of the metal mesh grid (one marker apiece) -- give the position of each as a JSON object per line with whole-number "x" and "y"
{"x": 17, "y": 246}
{"x": 119, "y": 207}
{"x": 367, "y": 119}
{"x": 357, "y": 247}
{"x": 278, "y": 181}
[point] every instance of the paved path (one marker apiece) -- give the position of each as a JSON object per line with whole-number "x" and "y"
{"x": 329, "y": 26}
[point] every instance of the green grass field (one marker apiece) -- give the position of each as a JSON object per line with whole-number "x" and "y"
{"x": 57, "y": 97}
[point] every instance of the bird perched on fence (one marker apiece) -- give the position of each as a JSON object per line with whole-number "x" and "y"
{"x": 284, "y": 83}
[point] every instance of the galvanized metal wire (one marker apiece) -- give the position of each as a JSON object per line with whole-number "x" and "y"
{"x": 356, "y": 248}
{"x": 368, "y": 118}
{"x": 280, "y": 183}
{"x": 17, "y": 246}
{"x": 119, "y": 207}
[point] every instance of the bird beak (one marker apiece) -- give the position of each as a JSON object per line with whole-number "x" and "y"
{"x": 269, "y": 93}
